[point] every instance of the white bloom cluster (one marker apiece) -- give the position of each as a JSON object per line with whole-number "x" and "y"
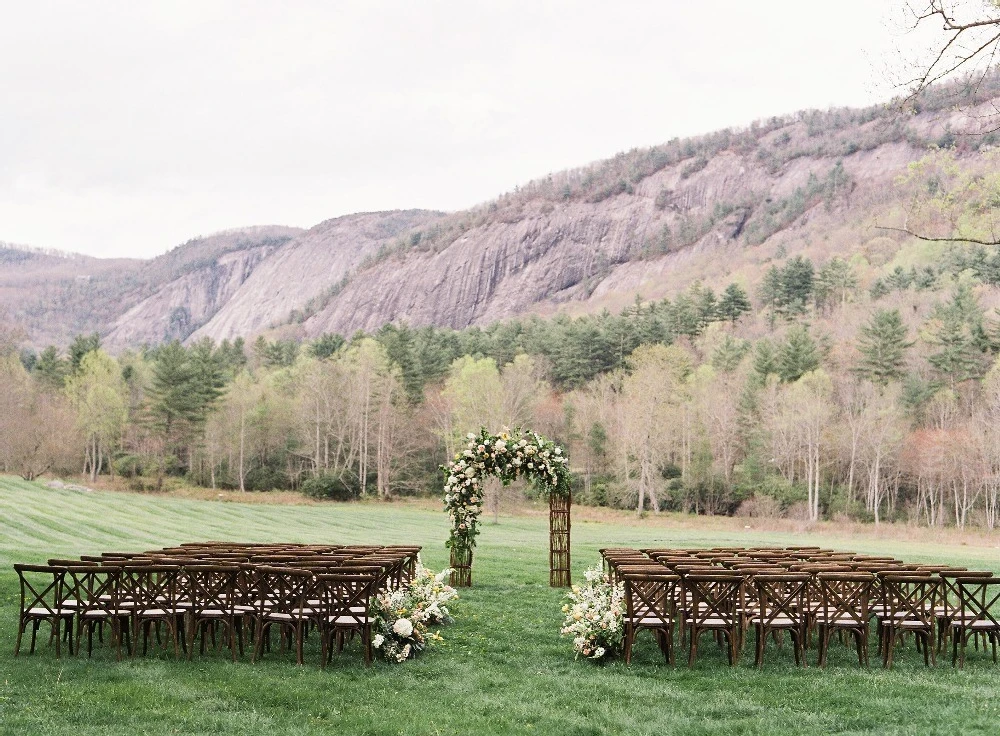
{"x": 595, "y": 615}
{"x": 402, "y": 616}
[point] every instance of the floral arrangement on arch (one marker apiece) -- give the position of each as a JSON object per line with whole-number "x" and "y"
{"x": 595, "y": 616}
{"x": 508, "y": 456}
{"x": 403, "y": 616}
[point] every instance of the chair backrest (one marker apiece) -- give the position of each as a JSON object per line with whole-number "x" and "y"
{"x": 650, "y": 595}
{"x": 95, "y": 588}
{"x": 781, "y": 595}
{"x": 979, "y": 602}
{"x": 346, "y": 596}
{"x": 844, "y": 596}
{"x": 152, "y": 585}
{"x": 41, "y": 587}
{"x": 211, "y": 587}
{"x": 717, "y": 597}
{"x": 912, "y": 597}
{"x": 284, "y": 589}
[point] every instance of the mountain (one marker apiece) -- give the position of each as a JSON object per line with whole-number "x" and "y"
{"x": 647, "y": 222}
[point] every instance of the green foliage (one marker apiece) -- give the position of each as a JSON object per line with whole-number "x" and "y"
{"x": 50, "y": 368}
{"x": 798, "y": 355}
{"x": 734, "y": 303}
{"x": 883, "y": 346}
{"x": 330, "y": 487}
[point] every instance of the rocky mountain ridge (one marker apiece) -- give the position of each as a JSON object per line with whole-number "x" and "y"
{"x": 647, "y": 222}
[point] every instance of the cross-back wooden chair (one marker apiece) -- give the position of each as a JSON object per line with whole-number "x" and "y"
{"x": 285, "y": 603}
{"x": 42, "y": 602}
{"x": 155, "y": 592}
{"x": 844, "y": 601}
{"x": 210, "y": 602}
{"x": 97, "y": 592}
{"x": 716, "y": 604}
{"x": 346, "y": 609}
{"x": 978, "y": 615}
{"x": 948, "y": 604}
{"x": 650, "y": 603}
{"x": 911, "y": 600}
{"x": 781, "y": 606}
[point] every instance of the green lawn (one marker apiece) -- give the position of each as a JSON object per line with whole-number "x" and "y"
{"x": 502, "y": 669}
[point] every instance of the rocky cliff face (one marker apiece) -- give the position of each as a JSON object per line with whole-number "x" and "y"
{"x": 185, "y": 303}
{"x": 305, "y": 269}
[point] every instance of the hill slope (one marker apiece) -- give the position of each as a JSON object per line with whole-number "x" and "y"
{"x": 647, "y": 222}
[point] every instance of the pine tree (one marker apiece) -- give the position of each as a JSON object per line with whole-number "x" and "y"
{"x": 734, "y": 303}
{"x": 834, "y": 282}
{"x": 770, "y": 292}
{"x": 883, "y": 347}
{"x": 796, "y": 285}
{"x": 765, "y": 361}
{"x": 798, "y": 355}
{"x": 727, "y": 355}
{"x": 50, "y": 368}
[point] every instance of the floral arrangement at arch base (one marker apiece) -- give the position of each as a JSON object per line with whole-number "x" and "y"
{"x": 595, "y": 616}
{"x": 403, "y": 617}
{"x": 509, "y": 455}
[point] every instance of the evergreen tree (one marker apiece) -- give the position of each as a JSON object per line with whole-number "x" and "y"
{"x": 734, "y": 303}
{"x": 798, "y": 355}
{"x": 883, "y": 347}
{"x": 834, "y": 282}
{"x": 796, "y": 285}
{"x": 770, "y": 292}
{"x": 81, "y": 345}
{"x": 958, "y": 359}
{"x": 326, "y": 345}
{"x": 51, "y": 369}
{"x": 765, "y": 361}
{"x": 727, "y": 355}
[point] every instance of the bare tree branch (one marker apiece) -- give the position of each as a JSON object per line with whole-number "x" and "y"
{"x": 954, "y": 239}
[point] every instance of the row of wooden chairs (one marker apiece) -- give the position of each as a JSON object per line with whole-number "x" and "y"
{"x": 219, "y": 589}
{"x": 805, "y": 592}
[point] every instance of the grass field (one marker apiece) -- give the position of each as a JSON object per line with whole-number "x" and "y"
{"x": 503, "y": 667}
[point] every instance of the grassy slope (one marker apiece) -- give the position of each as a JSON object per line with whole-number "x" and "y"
{"x": 503, "y": 668}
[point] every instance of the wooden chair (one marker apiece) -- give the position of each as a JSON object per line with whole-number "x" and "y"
{"x": 716, "y": 604}
{"x": 911, "y": 600}
{"x": 978, "y": 615}
{"x": 96, "y": 590}
{"x": 285, "y": 594}
{"x": 650, "y": 603}
{"x": 782, "y": 606}
{"x": 42, "y": 602}
{"x": 155, "y": 593}
{"x": 844, "y": 600}
{"x": 346, "y": 609}
{"x": 210, "y": 603}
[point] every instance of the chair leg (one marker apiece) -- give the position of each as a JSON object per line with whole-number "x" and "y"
{"x": 629, "y": 638}
{"x": 20, "y": 631}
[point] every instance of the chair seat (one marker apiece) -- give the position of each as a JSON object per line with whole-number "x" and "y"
{"x": 40, "y": 612}
{"x": 712, "y": 622}
{"x": 650, "y": 621}
{"x": 349, "y": 620}
{"x": 911, "y": 623}
{"x": 157, "y": 612}
{"x": 975, "y": 625}
{"x": 780, "y": 621}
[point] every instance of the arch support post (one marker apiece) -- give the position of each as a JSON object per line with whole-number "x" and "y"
{"x": 559, "y": 524}
{"x": 461, "y": 567}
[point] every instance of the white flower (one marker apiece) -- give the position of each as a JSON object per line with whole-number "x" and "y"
{"x": 406, "y": 651}
{"x": 377, "y": 640}
{"x": 558, "y": 451}
{"x": 599, "y": 652}
{"x": 470, "y": 436}
{"x": 403, "y": 627}
{"x": 500, "y": 445}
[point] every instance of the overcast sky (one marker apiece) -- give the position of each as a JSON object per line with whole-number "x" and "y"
{"x": 129, "y": 127}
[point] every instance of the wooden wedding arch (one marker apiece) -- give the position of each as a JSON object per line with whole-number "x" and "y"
{"x": 508, "y": 456}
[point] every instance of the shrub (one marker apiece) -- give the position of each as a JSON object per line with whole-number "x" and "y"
{"x": 331, "y": 487}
